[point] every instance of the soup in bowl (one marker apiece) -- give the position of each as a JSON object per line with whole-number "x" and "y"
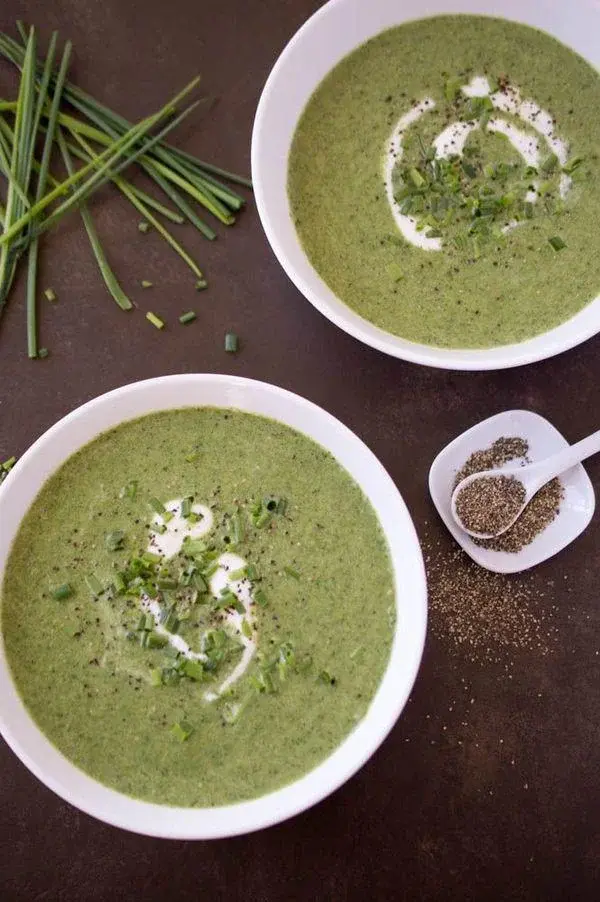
{"x": 213, "y": 606}
{"x": 432, "y": 184}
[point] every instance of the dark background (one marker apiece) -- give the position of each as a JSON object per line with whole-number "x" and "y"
{"x": 492, "y": 799}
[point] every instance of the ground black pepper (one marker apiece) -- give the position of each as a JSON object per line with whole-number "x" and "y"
{"x": 541, "y": 510}
{"x": 488, "y": 504}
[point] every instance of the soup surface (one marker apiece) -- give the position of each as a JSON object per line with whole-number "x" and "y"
{"x": 198, "y": 606}
{"x": 445, "y": 183}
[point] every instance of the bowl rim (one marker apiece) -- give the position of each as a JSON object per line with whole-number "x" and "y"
{"x": 94, "y": 798}
{"x": 575, "y": 330}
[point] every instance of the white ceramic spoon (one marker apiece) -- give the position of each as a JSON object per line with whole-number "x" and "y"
{"x": 532, "y": 476}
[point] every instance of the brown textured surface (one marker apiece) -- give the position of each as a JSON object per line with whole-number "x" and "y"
{"x": 494, "y": 799}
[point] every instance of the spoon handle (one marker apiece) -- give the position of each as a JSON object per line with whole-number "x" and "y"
{"x": 564, "y": 460}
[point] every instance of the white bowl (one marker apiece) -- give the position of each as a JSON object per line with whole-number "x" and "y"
{"x": 81, "y": 426}
{"x": 576, "y": 509}
{"x": 330, "y": 34}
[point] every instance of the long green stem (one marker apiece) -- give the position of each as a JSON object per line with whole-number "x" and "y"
{"x": 103, "y": 135}
{"x": 108, "y": 171}
{"x": 110, "y": 280}
{"x": 80, "y": 99}
{"x": 20, "y": 167}
{"x": 109, "y": 158}
{"x": 148, "y": 215}
{"x": 32, "y": 345}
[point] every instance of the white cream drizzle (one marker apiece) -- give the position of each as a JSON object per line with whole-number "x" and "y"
{"x": 451, "y": 142}
{"x": 168, "y": 544}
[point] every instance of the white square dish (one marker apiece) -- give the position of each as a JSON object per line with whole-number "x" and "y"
{"x": 576, "y": 509}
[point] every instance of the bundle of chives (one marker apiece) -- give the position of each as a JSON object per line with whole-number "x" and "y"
{"x": 25, "y": 216}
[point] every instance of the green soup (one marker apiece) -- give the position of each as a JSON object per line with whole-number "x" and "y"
{"x": 484, "y": 134}
{"x": 218, "y": 670}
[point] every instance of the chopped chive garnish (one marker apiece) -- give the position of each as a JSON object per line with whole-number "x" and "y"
{"x": 325, "y": 677}
{"x": 394, "y": 271}
{"x": 157, "y": 506}
{"x": 155, "y": 640}
{"x": 145, "y": 623}
{"x": 226, "y": 599}
{"x": 192, "y": 547}
{"x": 573, "y": 164}
{"x": 9, "y": 464}
{"x": 143, "y": 226}
{"x": 62, "y": 592}
{"x": 50, "y": 294}
{"x": 166, "y": 584}
{"x": 94, "y": 584}
{"x": 129, "y": 490}
{"x": 186, "y": 507}
{"x": 160, "y": 528}
{"x": 193, "y": 670}
{"x": 549, "y": 164}
{"x": 42, "y": 352}
{"x": 251, "y": 572}
{"x": 557, "y": 243}
{"x": 191, "y": 457}
{"x": 231, "y": 342}
{"x": 210, "y": 569}
{"x": 201, "y": 284}
{"x": 149, "y": 557}
{"x": 238, "y": 606}
{"x": 200, "y": 583}
{"x": 114, "y": 541}
{"x": 263, "y": 518}
{"x": 146, "y": 284}
{"x": 181, "y": 730}
{"x": 246, "y": 629}
{"x": 156, "y": 677}
{"x": 155, "y": 320}
{"x": 120, "y": 582}
{"x": 237, "y": 574}
{"x": 188, "y": 317}
{"x": 260, "y": 598}
{"x": 289, "y": 571}
{"x": 452, "y": 89}
{"x": 171, "y": 624}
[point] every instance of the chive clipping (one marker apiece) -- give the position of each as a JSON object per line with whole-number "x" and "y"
{"x": 188, "y": 317}
{"x": 50, "y": 294}
{"x": 557, "y": 243}
{"x": 246, "y": 629}
{"x": 42, "y": 352}
{"x": 394, "y": 271}
{"x": 193, "y": 670}
{"x": 143, "y": 226}
{"x": 146, "y": 284}
{"x": 115, "y": 540}
{"x": 62, "y": 592}
{"x": 94, "y": 584}
{"x": 156, "y": 677}
{"x": 181, "y": 730}
{"x": 201, "y": 284}
{"x": 156, "y": 321}
{"x": 231, "y": 342}
{"x": 130, "y": 490}
{"x": 260, "y": 598}
{"x": 289, "y": 571}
